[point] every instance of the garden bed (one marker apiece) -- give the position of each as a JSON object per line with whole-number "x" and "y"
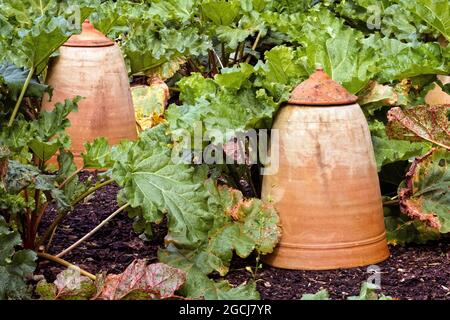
{"x": 412, "y": 272}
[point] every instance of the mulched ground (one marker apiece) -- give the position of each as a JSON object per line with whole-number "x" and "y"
{"x": 412, "y": 272}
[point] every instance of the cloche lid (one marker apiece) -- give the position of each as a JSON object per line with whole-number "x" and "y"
{"x": 320, "y": 90}
{"x": 89, "y": 37}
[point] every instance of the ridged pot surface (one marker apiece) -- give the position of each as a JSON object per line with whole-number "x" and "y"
{"x": 326, "y": 190}
{"x": 99, "y": 75}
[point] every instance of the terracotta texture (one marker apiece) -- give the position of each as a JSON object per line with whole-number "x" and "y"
{"x": 326, "y": 190}
{"x": 320, "y": 89}
{"x": 99, "y": 75}
{"x": 436, "y": 96}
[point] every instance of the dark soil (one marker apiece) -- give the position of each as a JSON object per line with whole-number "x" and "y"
{"x": 412, "y": 272}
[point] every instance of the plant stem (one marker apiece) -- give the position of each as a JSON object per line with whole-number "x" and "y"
{"x": 93, "y": 231}
{"x": 212, "y": 62}
{"x": 250, "y": 180}
{"x": 22, "y": 94}
{"x": 92, "y": 190}
{"x": 390, "y": 203}
{"x": 255, "y": 44}
{"x": 49, "y": 243}
{"x": 218, "y": 58}
{"x": 62, "y": 215}
{"x": 235, "y": 175}
{"x": 66, "y": 264}
{"x": 69, "y": 178}
{"x": 236, "y": 53}
{"x": 224, "y": 55}
{"x": 174, "y": 89}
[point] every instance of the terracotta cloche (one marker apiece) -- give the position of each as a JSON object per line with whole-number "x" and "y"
{"x": 92, "y": 66}
{"x": 326, "y": 189}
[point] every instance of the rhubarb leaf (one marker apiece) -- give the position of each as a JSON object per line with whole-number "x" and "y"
{"x": 151, "y": 180}
{"x": 436, "y": 13}
{"x": 14, "y": 265}
{"x": 425, "y": 195}
{"x": 97, "y": 154}
{"x": 389, "y": 150}
{"x": 154, "y": 281}
{"x": 420, "y": 123}
{"x": 15, "y": 77}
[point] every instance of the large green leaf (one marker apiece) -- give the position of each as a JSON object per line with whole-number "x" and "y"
{"x": 51, "y": 123}
{"x": 44, "y": 150}
{"x": 150, "y": 50}
{"x": 41, "y": 28}
{"x": 198, "y": 285}
{"x": 196, "y": 86}
{"x": 97, "y": 154}
{"x": 397, "y": 60}
{"x": 228, "y": 104}
{"x": 221, "y": 12}
{"x": 436, "y": 13}
{"x": 151, "y": 180}
{"x": 340, "y": 51}
{"x": 401, "y": 229}
{"x": 389, "y": 150}
{"x": 280, "y": 72}
{"x": 425, "y": 195}
{"x": 15, "y": 79}
{"x": 14, "y": 265}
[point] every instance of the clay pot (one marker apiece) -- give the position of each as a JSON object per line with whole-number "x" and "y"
{"x": 92, "y": 66}
{"x": 326, "y": 189}
{"x": 436, "y": 96}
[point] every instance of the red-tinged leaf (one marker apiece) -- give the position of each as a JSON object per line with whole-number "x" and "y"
{"x": 154, "y": 281}
{"x": 422, "y": 122}
{"x": 426, "y": 193}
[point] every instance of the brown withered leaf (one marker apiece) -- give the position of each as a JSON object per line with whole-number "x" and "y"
{"x": 420, "y": 123}
{"x": 425, "y": 195}
{"x": 154, "y": 281}
{"x": 375, "y": 96}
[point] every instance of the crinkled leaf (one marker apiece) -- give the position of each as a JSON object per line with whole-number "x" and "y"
{"x": 424, "y": 122}
{"x": 221, "y": 12}
{"x": 156, "y": 280}
{"x": 198, "y": 285}
{"x": 20, "y": 176}
{"x": 232, "y": 37}
{"x": 391, "y": 150}
{"x": 375, "y": 96}
{"x": 401, "y": 229}
{"x": 226, "y": 111}
{"x": 150, "y": 103}
{"x": 397, "y": 60}
{"x": 425, "y": 195}
{"x": 151, "y": 180}
{"x": 14, "y": 265}
{"x": 436, "y": 13}
{"x": 196, "y": 86}
{"x": 71, "y": 285}
{"x": 51, "y": 123}
{"x": 15, "y": 79}
{"x": 97, "y": 154}
{"x": 234, "y": 78}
